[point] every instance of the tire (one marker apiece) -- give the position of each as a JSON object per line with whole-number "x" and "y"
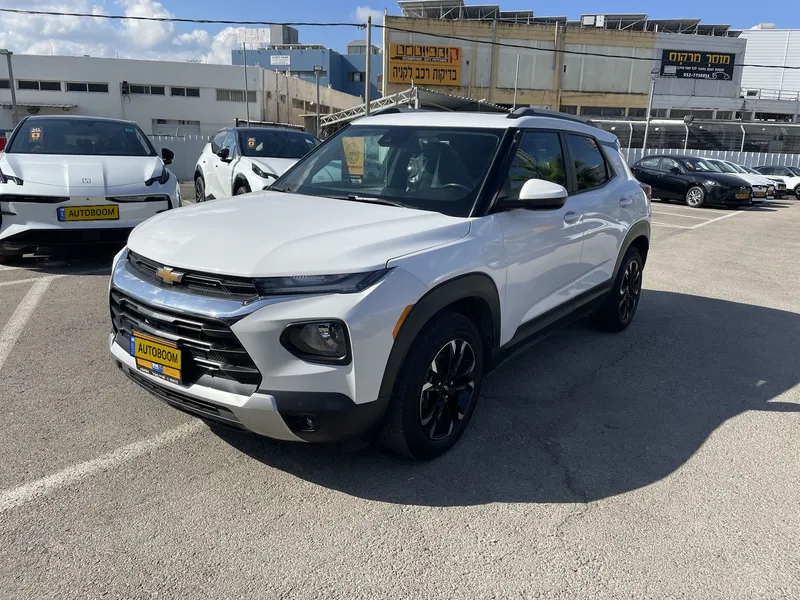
{"x": 797, "y": 192}
{"x": 613, "y": 315}
{"x": 695, "y": 197}
{"x": 241, "y": 188}
{"x": 199, "y": 189}
{"x": 426, "y": 414}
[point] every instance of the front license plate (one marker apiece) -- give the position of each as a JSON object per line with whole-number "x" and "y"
{"x": 103, "y": 212}
{"x": 157, "y": 357}
{"x": 759, "y": 194}
{"x": 742, "y": 196}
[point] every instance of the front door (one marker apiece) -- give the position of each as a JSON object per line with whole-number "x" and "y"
{"x": 223, "y": 170}
{"x": 673, "y": 178}
{"x": 543, "y": 247}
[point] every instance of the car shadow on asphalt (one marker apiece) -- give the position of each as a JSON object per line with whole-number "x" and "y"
{"x": 72, "y": 260}
{"x": 583, "y": 415}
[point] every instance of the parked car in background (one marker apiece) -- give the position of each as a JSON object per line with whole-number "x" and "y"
{"x": 788, "y": 175}
{"x": 692, "y": 180}
{"x": 74, "y": 180}
{"x": 369, "y": 303}
{"x": 762, "y": 187}
{"x": 648, "y": 190}
{"x": 238, "y": 160}
{"x": 780, "y": 186}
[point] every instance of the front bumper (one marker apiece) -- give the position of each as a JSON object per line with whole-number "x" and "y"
{"x": 292, "y": 399}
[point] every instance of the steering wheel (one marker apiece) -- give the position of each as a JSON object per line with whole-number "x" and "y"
{"x": 460, "y": 186}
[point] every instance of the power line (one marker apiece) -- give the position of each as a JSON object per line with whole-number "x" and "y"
{"x": 55, "y": 13}
{"x": 557, "y": 51}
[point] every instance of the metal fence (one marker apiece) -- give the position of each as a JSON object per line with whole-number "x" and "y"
{"x": 748, "y": 159}
{"x": 187, "y": 149}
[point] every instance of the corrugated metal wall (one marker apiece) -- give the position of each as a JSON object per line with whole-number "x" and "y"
{"x": 187, "y": 150}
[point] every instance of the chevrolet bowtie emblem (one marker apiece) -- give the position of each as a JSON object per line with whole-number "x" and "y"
{"x": 169, "y": 275}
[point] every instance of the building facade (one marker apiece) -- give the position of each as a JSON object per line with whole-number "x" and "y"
{"x": 772, "y": 90}
{"x": 167, "y": 98}
{"x": 341, "y": 72}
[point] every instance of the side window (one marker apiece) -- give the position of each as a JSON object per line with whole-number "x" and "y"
{"x": 230, "y": 142}
{"x": 590, "y": 166}
{"x": 217, "y": 140}
{"x": 765, "y": 170}
{"x": 668, "y": 164}
{"x": 650, "y": 163}
{"x": 539, "y": 156}
{"x": 785, "y": 172}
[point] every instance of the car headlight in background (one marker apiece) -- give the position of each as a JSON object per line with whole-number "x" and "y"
{"x": 261, "y": 173}
{"x": 320, "y": 341}
{"x": 349, "y": 283}
{"x": 162, "y": 179}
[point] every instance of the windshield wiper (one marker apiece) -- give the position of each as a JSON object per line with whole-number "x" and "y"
{"x": 371, "y": 200}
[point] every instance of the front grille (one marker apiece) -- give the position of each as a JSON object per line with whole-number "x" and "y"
{"x": 212, "y": 354}
{"x": 205, "y": 284}
{"x": 33, "y": 199}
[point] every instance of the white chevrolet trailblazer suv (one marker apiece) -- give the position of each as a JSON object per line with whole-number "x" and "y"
{"x": 387, "y": 273}
{"x": 79, "y": 180}
{"x": 239, "y": 160}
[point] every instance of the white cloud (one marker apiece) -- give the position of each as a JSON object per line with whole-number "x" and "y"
{"x": 362, "y": 12}
{"x": 75, "y": 36}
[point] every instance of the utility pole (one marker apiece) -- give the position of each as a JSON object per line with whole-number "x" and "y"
{"x": 246, "y": 92}
{"x": 14, "y": 117}
{"x": 368, "y": 72}
{"x": 516, "y": 77}
{"x": 317, "y": 71}
{"x": 653, "y": 75}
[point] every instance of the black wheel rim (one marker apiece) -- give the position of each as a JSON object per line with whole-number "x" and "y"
{"x": 629, "y": 290}
{"x": 448, "y": 389}
{"x": 199, "y": 190}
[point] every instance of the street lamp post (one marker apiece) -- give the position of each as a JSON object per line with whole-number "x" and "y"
{"x": 653, "y": 75}
{"x": 11, "y": 85}
{"x": 317, "y": 72}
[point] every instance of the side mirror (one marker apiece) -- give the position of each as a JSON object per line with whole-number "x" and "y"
{"x": 538, "y": 194}
{"x": 675, "y": 170}
{"x": 167, "y": 155}
{"x": 224, "y": 154}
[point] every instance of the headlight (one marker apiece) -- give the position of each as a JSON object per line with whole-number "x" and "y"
{"x": 320, "y": 341}
{"x": 262, "y": 174}
{"x": 162, "y": 179}
{"x": 318, "y": 284}
{"x": 711, "y": 182}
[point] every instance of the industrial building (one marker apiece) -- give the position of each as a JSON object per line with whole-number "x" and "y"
{"x": 164, "y": 98}
{"x": 342, "y": 72}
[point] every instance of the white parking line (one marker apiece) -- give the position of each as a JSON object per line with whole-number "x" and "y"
{"x": 8, "y": 268}
{"x": 15, "y": 497}
{"x": 668, "y": 225}
{"x": 23, "y": 312}
{"x": 29, "y": 280}
{"x": 715, "y": 220}
{"x": 659, "y": 213}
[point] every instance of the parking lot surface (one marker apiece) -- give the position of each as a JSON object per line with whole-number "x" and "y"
{"x": 663, "y": 462}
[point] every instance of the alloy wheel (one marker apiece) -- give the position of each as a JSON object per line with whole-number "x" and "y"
{"x": 448, "y": 389}
{"x": 694, "y": 197}
{"x": 629, "y": 290}
{"x": 199, "y": 190}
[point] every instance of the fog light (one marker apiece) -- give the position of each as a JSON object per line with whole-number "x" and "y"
{"x": 324, "y": 341}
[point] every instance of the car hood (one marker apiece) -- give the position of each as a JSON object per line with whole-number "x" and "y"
{"x": 273, "y": 165}
{"x": 754, "y": 179}
{"x": 83, "y": 175}
{"x": 268, "y": 234}
{"x": 725, "y": 179}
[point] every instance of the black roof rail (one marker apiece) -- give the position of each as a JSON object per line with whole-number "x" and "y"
{"x": 529, "y": 111}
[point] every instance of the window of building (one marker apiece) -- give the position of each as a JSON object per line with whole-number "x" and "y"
{"x": 185, "y": 92}
{"x": 150, "y": 90}
{"x": 539, "y": 156}
{"x": 658, "y": 113}
{"x": 602, "y": 111}
{"x": 637, "y": 113}
{"x": 356, "y": 77}
{"x": 79, "y": 86}
{"x": 725, "y": 115}
{"x": 590, "y": 166}
{"x": 568, "y": 109}
{"x": 679, "y": 113}
{"x": 4, "y": 84}
{"x": 235, "y": 96}
{"x": 48, "y": 86}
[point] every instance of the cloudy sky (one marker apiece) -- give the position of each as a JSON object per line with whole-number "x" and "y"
{"x": 26, "y": 34}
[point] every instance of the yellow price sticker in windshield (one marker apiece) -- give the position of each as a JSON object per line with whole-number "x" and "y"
{"x": 251, "y": 142}
{"x": 36, "y": 134}
{"x": 353, "y": 148}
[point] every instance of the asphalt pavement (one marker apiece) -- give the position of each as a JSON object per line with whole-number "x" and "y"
{"x": 663, "y": 462}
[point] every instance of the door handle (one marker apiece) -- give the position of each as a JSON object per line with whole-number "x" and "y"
{"x": 625, "y": 201}
{"x": 571, "y": 217}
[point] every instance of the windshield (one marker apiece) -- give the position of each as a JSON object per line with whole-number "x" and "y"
{"x": 697, "y": 164}
{"x": 436, "y": 169}
{"x": 80, "y": 137}
{"x": 750, "y": 170}
{"x": 271, "y": 143}
{"x": 724, "y": 167}
{"x": 795, "y": 171}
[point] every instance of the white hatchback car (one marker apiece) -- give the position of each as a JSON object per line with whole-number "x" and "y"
{"x": 387, "y": 273}
{"x": 238, "y": 160}
{"x": 78, "y": 180}
{"x": 762, "y": 187}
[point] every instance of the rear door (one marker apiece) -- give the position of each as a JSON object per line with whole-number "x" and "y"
{"x": 646, "y": 171}
{"x": 674, "y": 184}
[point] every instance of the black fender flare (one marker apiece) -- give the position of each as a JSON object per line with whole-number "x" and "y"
{"x": 198, "y": 172}
{"x": 638, "y": 229}
{"x": 473, "y": 285}
{"x": 240, "y": 179}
